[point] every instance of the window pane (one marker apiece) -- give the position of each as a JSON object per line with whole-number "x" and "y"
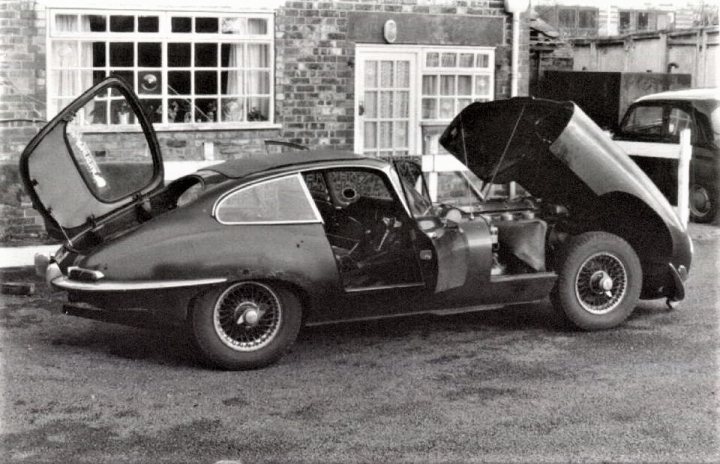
{"x": 231, "y": 83}
{"x": 148, "y": 24}
{"x": 98, "y": 54}
{"x": 483, "y": 61}
{"x": 386, "y": 74}
{"x": 122, "y": 54}
{"x": 259, "y": 108}
{"x": 258, "y": 56}
{"x": 566, "y": 18}
{"x": 178, "y": 54}
{"x": 122, "y": 23}
{"x": 467, "y": 60}
{"x": 430, "y": 85}
{"x": 66, "y": 23}
{"x": 152, "y": 109}
{"x": 179, "y": 111}
{"x": 429, "y": 108}
{"x": 402, "y": 109}
{"x": 206, "y": 110}
{"x": 232, "y": 109}
{"x": 385, "y": 135}
{"x": 278, "y": 200}
{"x": 231, "y": 55}
{"x": 149, "y": 55}
{"x": 401, "y": 135}
{"x": 482, "y": 85}
{"x": 258, "y": 82}
{"x": 370, "y": 138}
{"x": 386, "y": 104}
{"x": 447, "y": 85}
{"x": 257, "y": 26}
{"x": 432, "y": 60}
{"x": 449, "y": 60}
{"x": 645, "y": 120}
{"x": 447, "y": 108}
{"x": 371, "y": 73}
{"x": 370, "y": 104}
{"x": 127, "y": 76}
{"x": 206, "y": 25}
{"x": 462, "y": 103}
{"x": 150, "y": 82}
{"x": 206, "y": 82}
{"x": 181, "y": 24}
{"x": 464, "y": 85}
{"x": 402, "y": 78}
{"x": 234, "y": 26}
{"x": 588, "y": 19}
{"x": 93, "y": 23}
{"x": 206, "y": 55}
{"x": 179, "y": 82}
{"x": 64, "y": 54}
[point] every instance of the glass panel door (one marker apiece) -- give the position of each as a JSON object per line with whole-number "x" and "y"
{"x": 385, "y": 121}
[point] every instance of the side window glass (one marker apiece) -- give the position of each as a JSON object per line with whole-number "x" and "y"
{"x": 645, "y": 121}
{"x": 677, "y": 122}
{"x": 114, "y": 164}
{"x": 357, "y": 184}
{"x": 279, "y": 200}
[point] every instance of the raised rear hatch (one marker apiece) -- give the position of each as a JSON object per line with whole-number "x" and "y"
{"x": 97, "y": 156}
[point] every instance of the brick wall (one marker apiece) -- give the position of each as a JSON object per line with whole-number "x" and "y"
{"x": 314, "y": 62}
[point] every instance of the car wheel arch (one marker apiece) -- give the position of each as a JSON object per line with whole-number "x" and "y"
{"x": 301, "y": 294}
{"x": 645, "y": 222}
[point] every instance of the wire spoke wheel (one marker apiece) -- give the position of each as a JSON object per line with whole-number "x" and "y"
{"x": 601, "y": 283}
{"x": 247, "y": 316}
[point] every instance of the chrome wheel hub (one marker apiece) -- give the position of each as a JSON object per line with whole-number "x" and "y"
{"x": 601, "y": 283}
{"x": 699, "y": 201}
{"x": 247, "y": 316}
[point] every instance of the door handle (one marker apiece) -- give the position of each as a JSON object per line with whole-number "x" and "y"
{"x": 361, "y": 110}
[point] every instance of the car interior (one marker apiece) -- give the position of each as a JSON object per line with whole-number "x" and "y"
{"x": 367, "y": 227}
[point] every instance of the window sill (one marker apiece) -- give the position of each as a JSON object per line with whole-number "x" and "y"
{"x": 200, "y": 127}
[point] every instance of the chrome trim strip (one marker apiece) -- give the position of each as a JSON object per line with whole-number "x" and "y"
{"x": 123, "y": 286}
{"x": 383, "y": 287}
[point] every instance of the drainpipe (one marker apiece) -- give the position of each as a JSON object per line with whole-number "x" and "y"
{"x": 515, "y": 7}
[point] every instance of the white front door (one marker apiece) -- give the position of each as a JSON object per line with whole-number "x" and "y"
{"x": 385, "y": 113}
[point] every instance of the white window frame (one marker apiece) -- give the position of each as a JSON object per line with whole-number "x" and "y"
{"x": 419, "y": 52}
{"x": 164, "y": 36}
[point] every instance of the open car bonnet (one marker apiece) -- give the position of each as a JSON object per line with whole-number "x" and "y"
{"x": 553, "y": 149}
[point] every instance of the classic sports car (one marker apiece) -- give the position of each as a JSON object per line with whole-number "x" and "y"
{"x": 243, "y": 253}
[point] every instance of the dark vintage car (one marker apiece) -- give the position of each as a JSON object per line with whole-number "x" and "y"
{"x": 243, "y": 253}
{"x": 659, "y": 118}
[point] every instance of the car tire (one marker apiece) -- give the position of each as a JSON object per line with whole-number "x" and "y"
{"x": 599, "y": 282}
{"x": 244, "y": 325}
{"x": 703, "y": 202}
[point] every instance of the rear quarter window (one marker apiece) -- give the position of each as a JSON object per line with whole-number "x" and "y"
{"x": 279, "y": 201}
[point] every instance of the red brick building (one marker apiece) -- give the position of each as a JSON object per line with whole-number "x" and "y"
{"x": 220, "y": 77}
